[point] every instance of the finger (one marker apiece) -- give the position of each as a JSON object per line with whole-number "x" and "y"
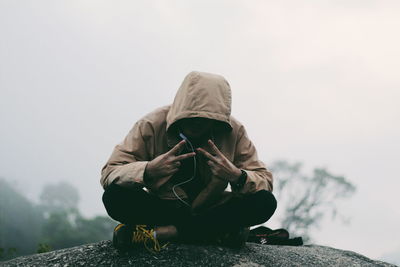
{"x": 177, "y": 148}
{"x": 214, "y": 148}
{"x": 208, "y": 155}
{"x": 173, "y": 171}
{"x": 212, "y": 167}
{"x": 176, "y": 164}
{"x": 184, "y": 156}
{"x": 173, "y": 165}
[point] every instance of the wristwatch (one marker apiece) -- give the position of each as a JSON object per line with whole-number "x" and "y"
{"x": 240, "y": 181}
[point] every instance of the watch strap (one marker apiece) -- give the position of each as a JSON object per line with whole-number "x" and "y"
{"x": 240, "y": 181}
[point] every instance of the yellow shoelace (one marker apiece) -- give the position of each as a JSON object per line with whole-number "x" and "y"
{"x": 118, "y": 226}
{"x": 145, "y": 236}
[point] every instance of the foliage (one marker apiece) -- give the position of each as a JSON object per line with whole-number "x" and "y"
{"x": 65, "y": 226}
{"x": 60, "y": 231}
{"x": 55, "y": 223}
{"x": 20, "y": 222}
{"x": 7, "y": 253}
{"x": 61, "y": 196}
{"x": 306, "y": 200}
{"x": 43, "y": 248}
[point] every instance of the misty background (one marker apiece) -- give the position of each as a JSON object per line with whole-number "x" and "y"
{"x": 313, "y": 81}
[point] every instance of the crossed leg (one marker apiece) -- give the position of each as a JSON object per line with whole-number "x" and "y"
{"x": 172, "y": 219}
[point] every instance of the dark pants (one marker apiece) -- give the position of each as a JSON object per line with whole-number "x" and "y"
{"x": 139, "y": 207}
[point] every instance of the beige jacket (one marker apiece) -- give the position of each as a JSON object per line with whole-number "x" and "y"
{"x": 200, "y": 95}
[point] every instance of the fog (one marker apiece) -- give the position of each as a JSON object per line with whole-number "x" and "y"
{"x": 312, "y": 81}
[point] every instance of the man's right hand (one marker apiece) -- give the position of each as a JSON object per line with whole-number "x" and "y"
{"x": 166, "y": 164}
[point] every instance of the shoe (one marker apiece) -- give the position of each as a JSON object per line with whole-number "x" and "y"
{"x": 236, "y": 239}
{"x": 126, "y": 237}
{"x": 266, "y": 236}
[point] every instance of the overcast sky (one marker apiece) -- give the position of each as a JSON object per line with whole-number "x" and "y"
{"x": 312, "y": 81}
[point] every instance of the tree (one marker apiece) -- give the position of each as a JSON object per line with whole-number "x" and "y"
{"x": 306, "y": 200}
{"x": 26, "y": 227}
{"x": 65, "y": 226}
{"x": 59, "y": 197}
{"x": 20, "y": 223}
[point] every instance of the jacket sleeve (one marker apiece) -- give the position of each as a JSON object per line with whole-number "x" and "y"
{"x": 258, "y": 176}
{"x": 128, "y": 161}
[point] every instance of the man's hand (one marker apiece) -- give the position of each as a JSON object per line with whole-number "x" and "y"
{"x": 166, "y": 164}
{"x": 220, "y": 166}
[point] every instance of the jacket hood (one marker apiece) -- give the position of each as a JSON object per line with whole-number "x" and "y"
{"x": 202, "y": 95}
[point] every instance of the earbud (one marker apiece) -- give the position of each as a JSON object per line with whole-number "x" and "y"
{"x": 183, "y": 136}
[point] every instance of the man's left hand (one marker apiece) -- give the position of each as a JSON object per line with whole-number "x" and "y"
{"x": 220, "y": 166}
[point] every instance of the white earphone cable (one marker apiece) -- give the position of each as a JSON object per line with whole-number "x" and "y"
{"x": 194, "y": 171}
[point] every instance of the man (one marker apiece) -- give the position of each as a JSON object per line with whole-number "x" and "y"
{"x": 168, "y": 179}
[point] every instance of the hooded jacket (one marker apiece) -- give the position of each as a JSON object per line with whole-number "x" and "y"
{"x": 200, "y": 95}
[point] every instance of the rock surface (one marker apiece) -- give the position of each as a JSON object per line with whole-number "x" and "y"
{"x": 103, "y": 254}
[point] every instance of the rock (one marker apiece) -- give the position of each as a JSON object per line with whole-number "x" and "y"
{"x": 103, "y": 254}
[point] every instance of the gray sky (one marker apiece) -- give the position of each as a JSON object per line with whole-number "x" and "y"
{"x": 313, "y": 81}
